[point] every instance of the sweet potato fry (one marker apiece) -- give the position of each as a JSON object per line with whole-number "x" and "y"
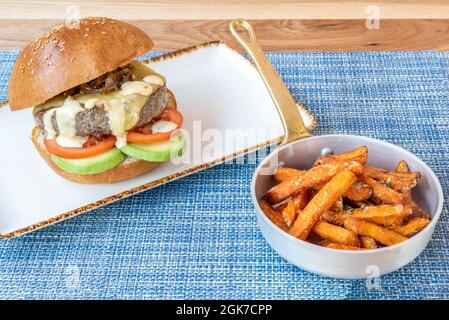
{"x": 338, "y": 205}
{"x": 273, "y": 215}
{"x": 335, "y": 234}
{"x": 333, "y": 245}
{"x": 294, "y": 206}
{"x": 284, "y": 173}
{"x": 375, "y": 168}
{"x": 368, "y": 243}
{"x": 382, "y": 192}
{"x": 357, "y": 154}
{"x": 322, "y": 201}
{"x": 367, "y": 229}
{"x": 385, "y": 215}
{"x": 402, "y": 166}
{"x": 353, "y": 166}
{"x": 337, "y": 218}
{"x": 413, "y": 226}
{"x": 279, "y": 207}
{"x": 313, "y": 177}
{"x": 398, "y": 181}
{"x": 359, "y": 192}
{"x": 417, "y": 211}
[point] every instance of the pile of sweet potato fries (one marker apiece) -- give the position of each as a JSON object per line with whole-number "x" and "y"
{"x": 343, "y": 203}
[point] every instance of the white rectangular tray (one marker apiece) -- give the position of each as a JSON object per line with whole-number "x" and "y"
{"x": 215, "y": 87}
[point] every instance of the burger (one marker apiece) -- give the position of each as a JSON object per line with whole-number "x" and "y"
{"x": 100, "y": 115}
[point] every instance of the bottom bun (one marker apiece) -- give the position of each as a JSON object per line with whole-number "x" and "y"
{"x": 130, "y": 168}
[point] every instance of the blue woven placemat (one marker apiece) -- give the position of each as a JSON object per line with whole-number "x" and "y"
{"x": 197, "y": 238}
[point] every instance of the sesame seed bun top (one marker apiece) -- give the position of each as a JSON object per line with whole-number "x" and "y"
{"x": 70, "y": 55}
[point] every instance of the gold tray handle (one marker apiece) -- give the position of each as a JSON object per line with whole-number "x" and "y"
{"x": 285, "y": 104}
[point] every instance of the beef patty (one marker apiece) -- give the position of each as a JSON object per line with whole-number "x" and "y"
{"x": 95, "y": 121}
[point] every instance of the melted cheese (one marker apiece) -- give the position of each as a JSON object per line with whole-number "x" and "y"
{"x": 65, "y": 119}
{"x": 121, "y": 141}
{"x": 133, "y": 105}
{"x": 153, "y": 80}
{"x": 66, "y": 116}
{"x": 133, "y": 87}
{"x": 116, "y": 113}
{"x": 48, "y": 124}
{"x": 73, "y": 142}
{"x": 122, "y": 107}
{"x": 162, "y": 126}
{"x": 89, "y": 104}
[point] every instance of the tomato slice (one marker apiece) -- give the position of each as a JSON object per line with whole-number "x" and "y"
{"x": 90, "y": 148}
{"x": 141, "y": 135}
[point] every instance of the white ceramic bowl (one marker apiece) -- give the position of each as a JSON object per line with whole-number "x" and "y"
{"x": 347, "y": 264}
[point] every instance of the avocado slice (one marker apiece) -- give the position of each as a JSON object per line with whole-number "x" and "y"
{"x": 156, "y": 151}
{"x": 91, "y": 165}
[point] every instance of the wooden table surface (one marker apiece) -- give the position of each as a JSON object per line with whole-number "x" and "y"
{"x": 283, "y": 25}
